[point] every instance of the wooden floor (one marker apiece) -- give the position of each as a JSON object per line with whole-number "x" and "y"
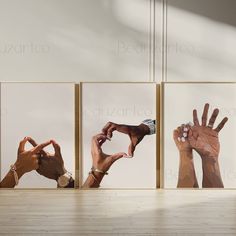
{"x": 118, "y": 212}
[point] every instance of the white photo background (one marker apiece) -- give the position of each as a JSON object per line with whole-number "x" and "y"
{"x": 42, "y": 111}
{"x": 179, "y": 102}
{"x": 122, "y": 103}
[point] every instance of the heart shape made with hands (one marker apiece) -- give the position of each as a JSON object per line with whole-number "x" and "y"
{"x": 135, "y": 134}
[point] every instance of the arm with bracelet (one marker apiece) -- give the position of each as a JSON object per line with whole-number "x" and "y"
{"x": 101, "y": 162}
{"x": 26, "y": 162}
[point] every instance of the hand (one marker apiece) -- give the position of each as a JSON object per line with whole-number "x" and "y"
{"x": 187, "y": 176}
{"x": 182, "y": 142}
{"x": 101, "y": 160}
{"x": 136, "y": 133}
{"x": 50, "y": 165}
{"x": 203, "y": 138}
{"x": 28, "y": 160}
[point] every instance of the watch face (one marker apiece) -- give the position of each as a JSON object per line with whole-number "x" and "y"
{"x": 63, "y": 181}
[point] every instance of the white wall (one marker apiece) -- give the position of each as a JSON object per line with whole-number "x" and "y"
{"x": 42, "y": 111}
{"x": 76, "y": 40}
{"x": 123, "y": 104}
{"x": 201, "y": 40}
{"x": 179, "y": 102}
{"x": 114, "y": 40}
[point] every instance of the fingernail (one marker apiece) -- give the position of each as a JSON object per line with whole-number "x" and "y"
{"x": 179, "y": 139}
{"x": 185, "y": 135}
{"x": 185, "y": 129}
{"x": 183, "y": 139}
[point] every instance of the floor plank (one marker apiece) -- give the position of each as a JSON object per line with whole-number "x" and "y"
{"x": 118, "y": 212}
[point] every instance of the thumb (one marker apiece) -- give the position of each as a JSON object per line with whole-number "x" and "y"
{"x": 117, "y": 156}
{"x": 191, "y": 138}
{"x": 190, "y": 134}
{"x": 175, "y": 134}
{"x": 131, "y": 149}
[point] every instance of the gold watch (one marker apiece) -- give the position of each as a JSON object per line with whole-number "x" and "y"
{"x": 64, "y": 180}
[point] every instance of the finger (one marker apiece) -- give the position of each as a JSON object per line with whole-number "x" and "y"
{"x": 175, "y": 134}
{"x": 221, "y": 125}
{"x": 192, "y": 138}
{"x": 39, "y": 147}
{"x": 190, "y": 134}
{"x": 119, "y": 155}
{"x": 56, "y": 147}
{"x": 106, "y": 127}
{"x": 205, "y": 114}
{"x": 34, "y": 144}
{"x": 22, "y": 143}
{"x": 213, "y": 118}
{"x": 96, "y": 145}
{"x": 99, "y": 138}
{"x": 110, "y": 131}
{"x": 195, "y": 118}
{"x": 103, "y": 141}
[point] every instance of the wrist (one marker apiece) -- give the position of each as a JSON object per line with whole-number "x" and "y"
{"x": 211, "y": 173}
{"x": 186, "y": 151}
{"x": 65, "y": 181}
{"x": 143, "y": 129}
{"x": 209, "y": 160}
{"x": 94, "y": 179}
{"x": 98, "y": 175}
{"x": 61, "y": 173}
{"x": 98, "y": 170}
{"x": 186, "y": 154}
{"x": 20, "y": 170}
{"x": 101, "y": 167}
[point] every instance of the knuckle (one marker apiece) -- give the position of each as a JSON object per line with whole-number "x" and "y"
{"x": 110, "y": 123}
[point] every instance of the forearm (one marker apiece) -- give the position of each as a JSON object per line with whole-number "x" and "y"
{"x": 93, "y": 181}
{"x": 187, "y": 176}
{"x": 211, "y": 173}
{"x": 9, "y": 180}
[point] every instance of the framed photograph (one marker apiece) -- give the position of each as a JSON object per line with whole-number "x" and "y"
{"x": 116, "y": 110}
{"x": 198, "y": 135}
{"x": 43, "y": 112}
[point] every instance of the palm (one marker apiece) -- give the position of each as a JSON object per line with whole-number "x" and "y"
{"x": 104, "y": 161}
{"x": 101, "y": 160}
{"x": 205, "y": 141}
